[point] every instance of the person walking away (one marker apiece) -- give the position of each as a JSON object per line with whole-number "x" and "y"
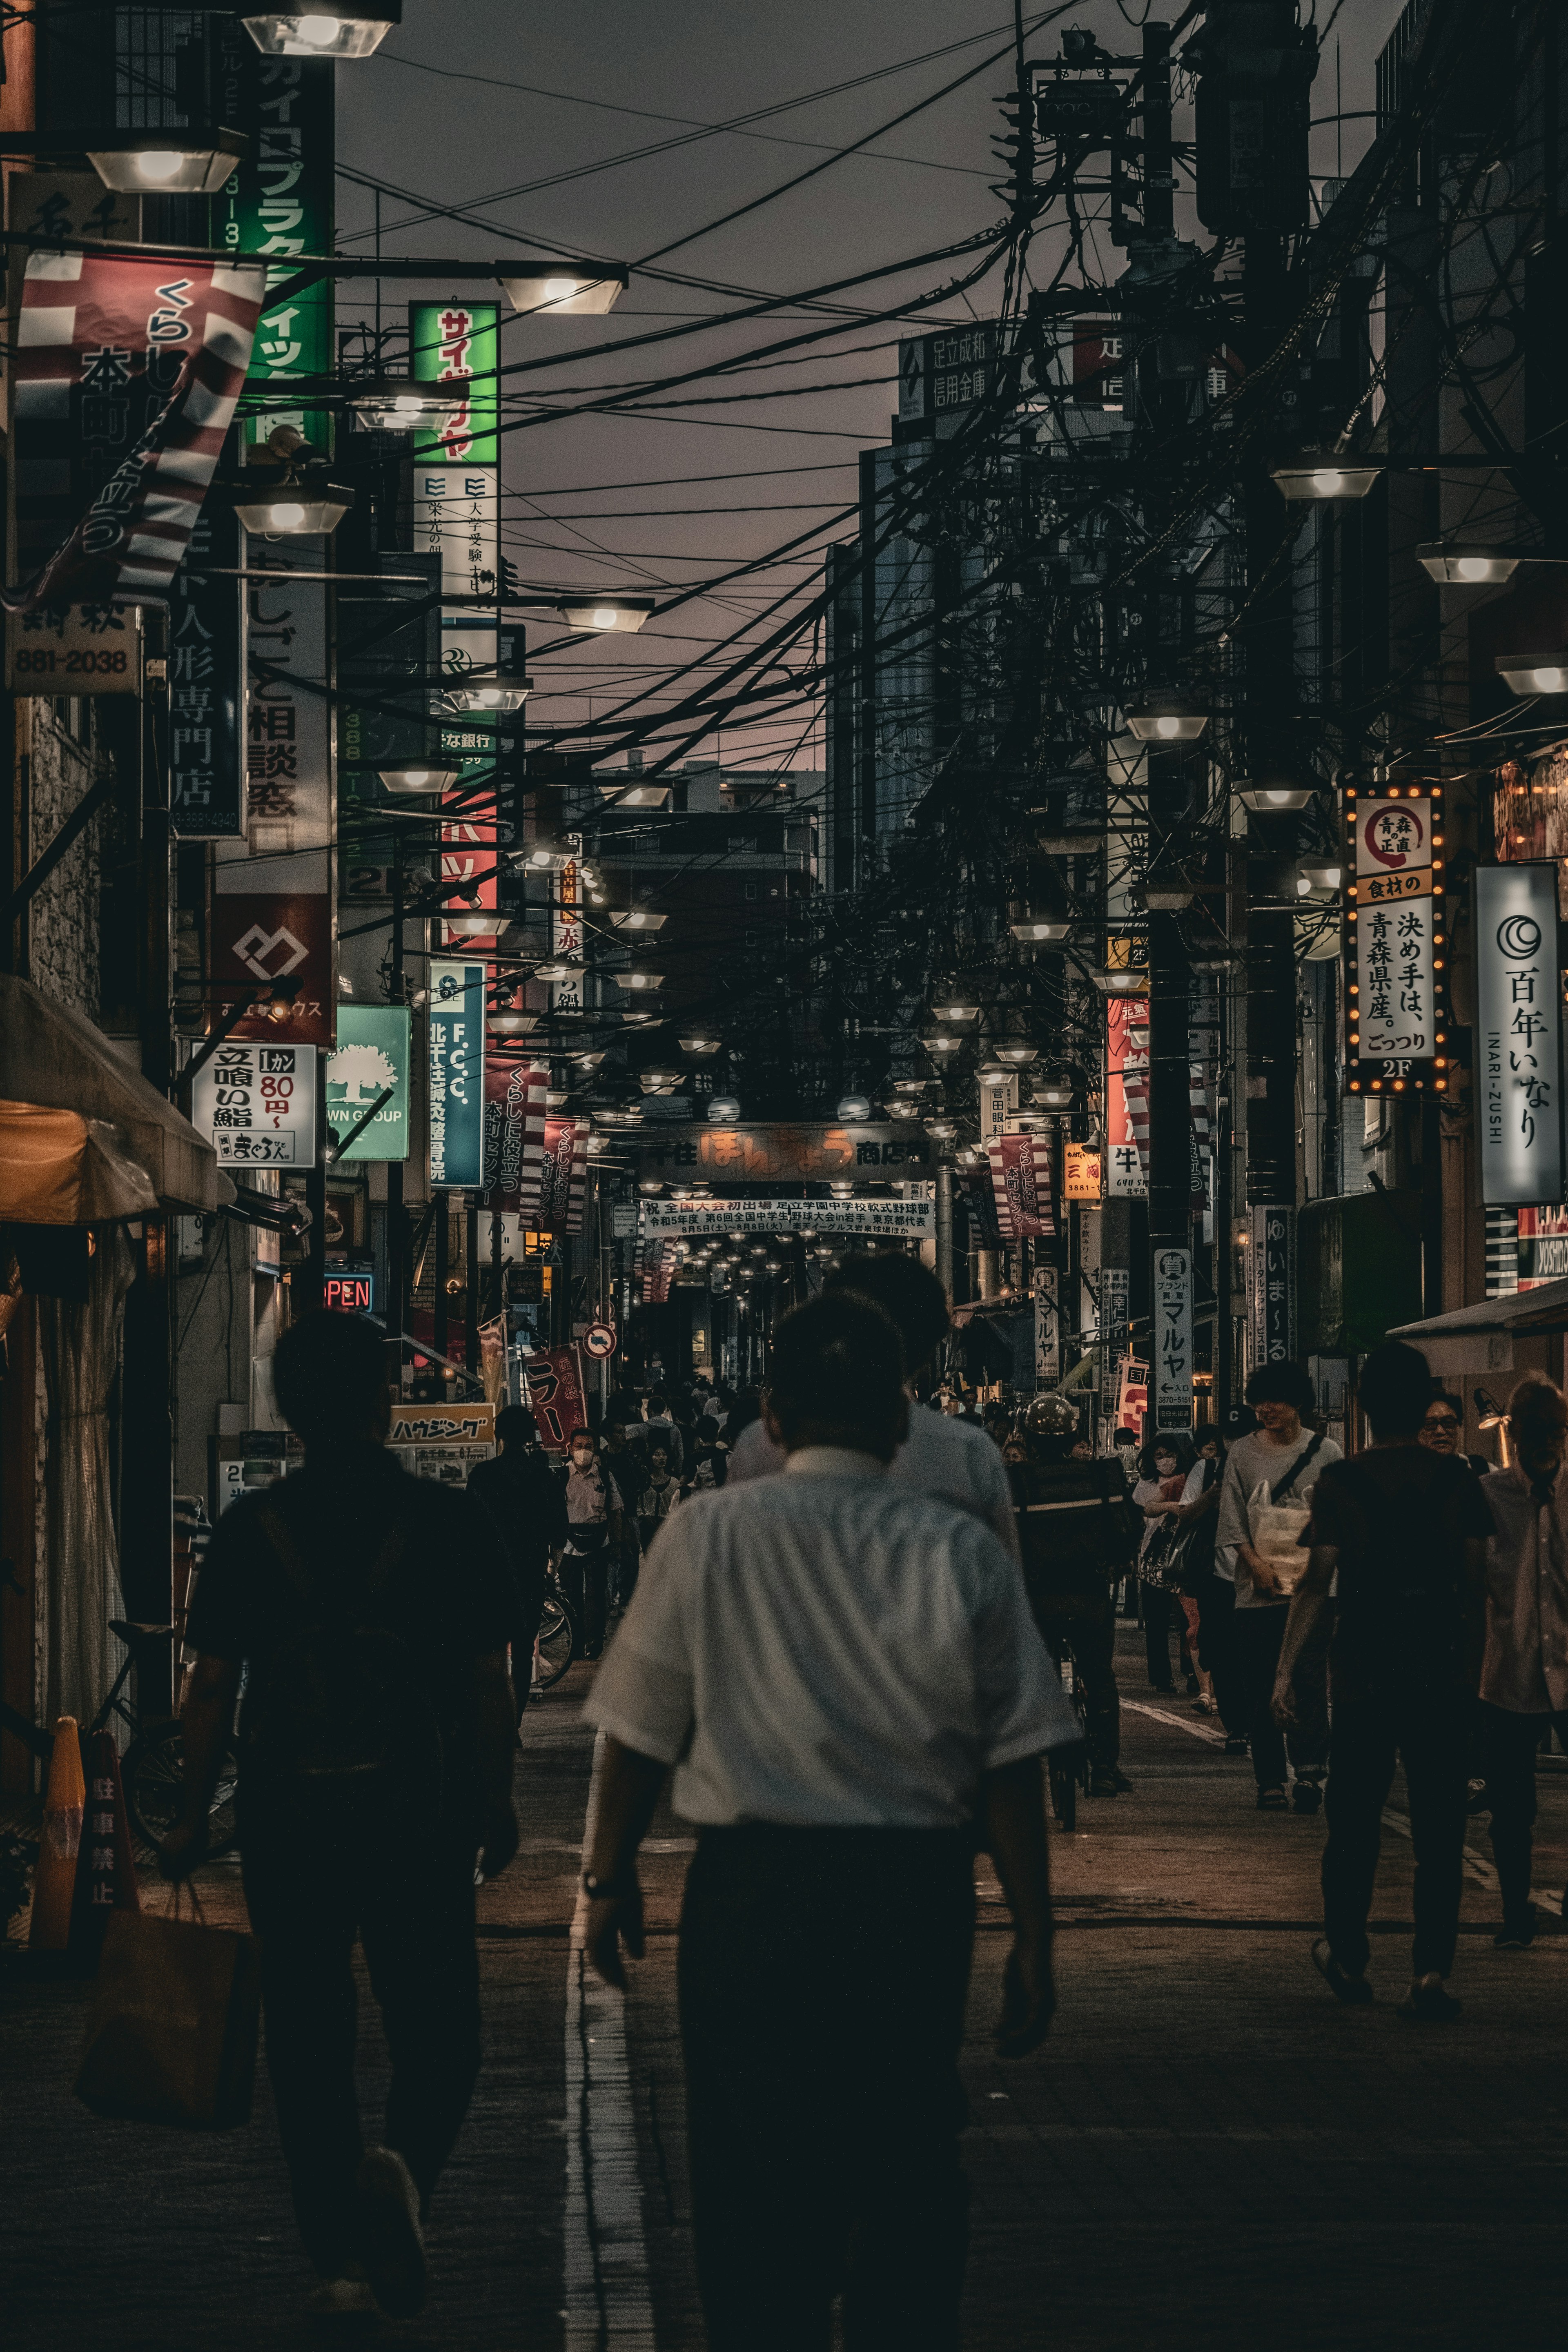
{"x": 522, "y": 1494}
{"x": 1163, "y": 1478}
{"x": 1076, "y": 1531}
{"x": 624, "y": 1460}
{"x": 376, "y": 1750}
{"x": 1285, "y": 1459}
{"x": 1208, "y": 1598}
{"x": 658, "y": 1499}
{"x": 1404, "y": 1529}
{"x": 594, "y": 1509}
{"x": 660, "y": 1429}
{"x": 711, "y": 1456}
{"x": 846, "y": 1676}
{"x": 1524, "y": 1667}
{"x": 940, "y": 1456}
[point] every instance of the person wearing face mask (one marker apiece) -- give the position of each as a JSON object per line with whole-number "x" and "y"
{"x": 1524, "y": 1670}
{"x": 593, "y": 1536}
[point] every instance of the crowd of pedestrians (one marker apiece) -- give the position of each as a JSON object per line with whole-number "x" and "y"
{"x": 849, "y": 1654}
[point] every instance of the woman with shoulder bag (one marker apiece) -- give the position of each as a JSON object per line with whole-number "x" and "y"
{"x": 1164, "y": 1468}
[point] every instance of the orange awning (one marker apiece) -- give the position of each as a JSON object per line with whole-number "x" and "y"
{"x": 59, "y": 1168}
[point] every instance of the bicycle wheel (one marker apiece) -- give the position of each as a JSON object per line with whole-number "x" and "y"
{"x": 557, "y": 1640}
{"x": 154, "y": 1777}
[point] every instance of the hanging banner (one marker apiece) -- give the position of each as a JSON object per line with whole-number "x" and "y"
{"x": 1047, "y": 1328}
{"x": 563, "y": 1176}
{"x": 442, "y": 1441}
{"x": 998, "y": 1106}
{"x": 1519, "y": 1035}
{"x": 1272, "y": 1271}
{"x": 278, "y": 203}
{"x": 785, "y": 1154}
{"x": 1081, "y": 1171}
{"x": 1126, "y": 1175}
{"x": 566, "y": 939}
{"x": 1115, "y": 1308}
{"x": 1173, "y": 1338}
{"x": 1132, "y": 1395}
{"x": 267, "y": 936}
{"x": 453, "y": 344}
{"x": 373, "y": 1052}
{"x": 125, "y": 379}
{"x": 1394, "y": 1012}
{"x": 514, "y": 1137}
{"x": 257, "y": 1106}
{"x": 555, "y": 1396}
{"x": 456, "y": 1075}
{"x": 878, "y": 1220}
{"x": 1021, "y": 1181}
{"x": 207, "y": 759}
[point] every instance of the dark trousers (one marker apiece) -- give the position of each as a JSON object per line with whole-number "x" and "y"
{"x": 314, "y": 1884}
{"x": 527, "y": 1607}
{"x": 1427, "y": 1734}
{"x": 1162, "y": 1611}
{"x": 1090, "y": 1632}
{"x": 1508, "y": 1747}
{"x": 585, "y": 1572}
{"x": 1216, "y": 1652}
{"x": 1258, "y": 1636}
{"x": 822, "y": 1978}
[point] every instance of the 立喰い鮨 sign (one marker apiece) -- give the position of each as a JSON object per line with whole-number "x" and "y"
{"x": 256, "y": 1104}
{"x": 456, "y": 1075}
{"x": 1519, "y": 1035}
{"x": 372, "y": 1053}
{"x": 1395, "y": 929}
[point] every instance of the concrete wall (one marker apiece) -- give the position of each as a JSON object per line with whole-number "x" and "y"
{"x": 64, "y": 937}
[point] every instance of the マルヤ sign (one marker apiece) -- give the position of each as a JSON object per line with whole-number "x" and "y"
{"x": 1519, "y": 1035}
{"x": 1173, "y": 1338}
{"x": 256, "y": 1104}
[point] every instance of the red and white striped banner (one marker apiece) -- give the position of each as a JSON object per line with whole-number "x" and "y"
{"x": 1135, "y": 1085}
{"x": 126, "y": 374}
{"x": 514, "y": 1137}
{"x": 655, "y": 1270}
{"x": 1021, "y": 1184}
{"x": 563, "y": 1176}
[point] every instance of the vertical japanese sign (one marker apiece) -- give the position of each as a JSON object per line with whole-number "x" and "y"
{"x": 1021, "y": 1180}
{"x": 257, "y": 1106}
{"x": 1081, "y": 1171}
{"x": 373, "y": 1052}
{"x": 206, "y": 755}
{"x": 279, "y": 204}
{"x": 454, "y": 344}
{"x": 566, "y": 929}
{"x": 458, "y": 1075}
{"x": 555, "y": 1396}
{"x": 1393, "y": 1015}
{"x": 1519, "y": 1035}
{"x": 998, "y": 1106}
{"x": 1173, "y": 1338}
{"x": 514, "y": 1137}
{"x": 1047, "y": 1328}
{"x": 1115, "y": 1310}
{"x": 1271, "y": 1272}
{"x": 1124, "y": 1176}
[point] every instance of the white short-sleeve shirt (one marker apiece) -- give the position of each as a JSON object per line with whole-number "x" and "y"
{"x": 942, "y": 1456}
{"x": 828, "y": 1648}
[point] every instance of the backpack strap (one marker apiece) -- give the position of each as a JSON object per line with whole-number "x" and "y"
{"x": 1294, "y": 1472}
{"x": 286, "y": 1552}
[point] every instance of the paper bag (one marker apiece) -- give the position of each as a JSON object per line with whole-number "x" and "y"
{"x": 171, "y": 2030}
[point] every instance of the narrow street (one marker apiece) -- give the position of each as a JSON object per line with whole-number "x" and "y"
{"x": 1207, "y": 2151}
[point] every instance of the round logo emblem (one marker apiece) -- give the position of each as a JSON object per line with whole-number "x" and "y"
{"x": 1519, "y": 935}
{"x": 599, "y": 1340}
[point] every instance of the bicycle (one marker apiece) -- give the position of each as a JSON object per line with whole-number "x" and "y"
{"x": 557, "y": 1637}
{"x": 152, "y": 1768}
{"x": 1069, "y": 1766}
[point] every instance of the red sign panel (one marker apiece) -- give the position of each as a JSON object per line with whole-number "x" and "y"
{"x": 252, "y": 939}
{"x": 514, "y": 1137}
{"x": 555, "y": 1396}
{"x": 1021, "y": 1180}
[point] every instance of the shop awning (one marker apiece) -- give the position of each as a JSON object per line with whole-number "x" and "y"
{"x": 52, "y": 1059}
{"x": 1543, "y": 1309}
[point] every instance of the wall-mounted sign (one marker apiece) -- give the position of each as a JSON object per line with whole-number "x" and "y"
{"x": 442, "y": 1441}
{"x": 273, "y": 935}
{"x": 1271, "y": 1275}
{"x": 349, "y": 1290}
{"x": 1115, "y": 1308}
{"x": 76, "y": 649}
{"x": 1393, "y": 1004}
{"x": 373, "y": 1051}
{"x": 941, "y": 377}
{"x": 207, "y": 737}
{"x": 1125, "y": 1060}
{"x": 256, "y": 1104}
{"x": 785, "y": 1154}
{"x": 514, "y": 1136}
{"x": 453, "y": 344}
{"x": 1047, "y": 1326}
{"x": 566, "y": 936}
{"x": 1519, "y": 1035}
{"x": 1081, "y": 1166}
{"x": 1173, "y": 1338}
{"x": 895, "y": 1219}
{"x": 456, "y": 1075}
{"x": 998, "y": 1106}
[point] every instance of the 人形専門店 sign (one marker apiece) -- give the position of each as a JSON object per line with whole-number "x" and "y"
{"x": 897, "y": 1220}
{"x": 1394, "y": 1011}
{"x": 458, "y": 1075}
{"x": 1519, "y": 1035}
{"x": 785, "y": 1154}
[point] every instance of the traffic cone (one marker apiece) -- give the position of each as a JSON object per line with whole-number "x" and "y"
{"x": 54, "y": 1879}
{"x": 106, "y": 1867}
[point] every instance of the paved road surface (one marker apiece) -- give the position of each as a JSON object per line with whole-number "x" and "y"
{"x": 1207, "y": 2153}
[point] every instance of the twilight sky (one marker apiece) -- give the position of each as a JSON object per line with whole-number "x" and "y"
{"x": 513, "y": 113}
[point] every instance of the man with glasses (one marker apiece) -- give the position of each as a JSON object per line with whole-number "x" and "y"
{"x": 1442, "y": 1428}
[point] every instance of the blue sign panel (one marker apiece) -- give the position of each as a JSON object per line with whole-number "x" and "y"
{"x": 458, "y": 1075}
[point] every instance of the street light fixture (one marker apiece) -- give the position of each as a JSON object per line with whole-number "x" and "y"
{"x": 1534, "y": 672}
{"x": 956, "y": 1008}
{"x": 1039, "y": 930}
{"x": 1120, "y": 979}
{"x": 565, "y": 290}
{"x": 993, "y": 1073}
{"x": 1274, "y": 800}
{"x": 940, "y": 1043}
{"x": 328, "y": 28}
{"x": 291, "y": 505}
{"x": 1466, "y": 567}
{"x": 604, "y": 613}
{"x": 852, "y": 1109}
{"x": 1318, "y": 477}
{"x": 497, "y": 689}
{"x": 638, "y": 918}
{"x": 1019, "y": 1055}
{"x": 184, "y": 162}
{"x": 723, "y": 1110}
{"x": 1314, "y": 874}
{"x": 1053, "y": 1094}
{"x": 1165, "y": 719}
{"x": 1169, "y": 894}
{"x": 408, "y": 784}
{"x": 510, "y": 1023}
{"x": 640, "y": 979}
{"x": 699, "y": 1044}
{"x": 398, "y": 403}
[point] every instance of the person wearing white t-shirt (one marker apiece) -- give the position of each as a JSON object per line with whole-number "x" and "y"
{"x": 953, "y": 1459}
{"x": 848, "y": 1683}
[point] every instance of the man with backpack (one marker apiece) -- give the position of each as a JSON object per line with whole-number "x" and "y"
{"x": 372, "y": 1612}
